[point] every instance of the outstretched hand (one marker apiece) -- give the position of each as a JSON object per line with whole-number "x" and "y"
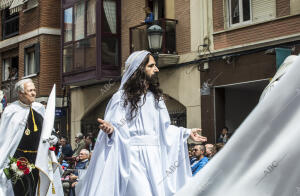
{"x": 105, "y": 126}
{"x": 196, "y": 137}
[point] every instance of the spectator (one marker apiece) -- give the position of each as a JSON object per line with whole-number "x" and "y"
{"x": 219, "y": 146}
{"x": 193, "y": 158}
{"x": 223, "y": 138}
{"x": 149, "y": 15}
{"x": 201, "y": 159}
{"x": 65, "y": 150}
{"x": 13, "y": 73}
{"x": 82, "y": 164}
{"x": 210, "y": 151}
{"x": 79, "y": 144}
{"x": 89, "y": 143}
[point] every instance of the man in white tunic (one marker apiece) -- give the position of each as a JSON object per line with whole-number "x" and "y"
{"x": 139, "y": 152}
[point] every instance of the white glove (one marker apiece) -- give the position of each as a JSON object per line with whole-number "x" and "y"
{"x": 53, "y": 140}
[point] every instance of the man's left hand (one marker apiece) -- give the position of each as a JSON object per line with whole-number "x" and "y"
{"x": 196, "y": 137}
{"x": 53, "y": 140}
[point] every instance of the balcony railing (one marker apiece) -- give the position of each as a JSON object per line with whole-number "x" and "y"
{"x": 139, "y": 38}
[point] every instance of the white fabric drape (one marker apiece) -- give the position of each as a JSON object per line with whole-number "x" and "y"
{"x": 91, "y": 17}
{"x": 110, "y": 10}
{"x": 79, "y": 20}
{"x": 262, "y": 157}
{"x": 13, "y": 123}
{"x": 31, "y": 63}
{"x": 6, "y": 65}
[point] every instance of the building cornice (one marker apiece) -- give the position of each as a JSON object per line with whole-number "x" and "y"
{"x": 29, "y": 35}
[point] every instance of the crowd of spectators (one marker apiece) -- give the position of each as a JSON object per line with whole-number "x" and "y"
{"x": 201, "y": 154}
{"x": 74, "y": 161}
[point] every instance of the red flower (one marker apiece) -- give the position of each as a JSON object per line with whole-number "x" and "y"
{"x": 52, "y": 148}
{"x": 18, "y": 163}
{"x": 26, "y": 171}
{"x": 22, "y": 167}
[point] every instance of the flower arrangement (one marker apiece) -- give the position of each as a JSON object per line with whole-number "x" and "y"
{"x": 18, "y": 168}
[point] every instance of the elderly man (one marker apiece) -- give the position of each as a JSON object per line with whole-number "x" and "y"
{"x": 80, "y": 165}
{"x": 138, "y": 145}
{"x": 21, "y": 130}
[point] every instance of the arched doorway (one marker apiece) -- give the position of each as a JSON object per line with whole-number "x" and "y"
{"x": 177, "y": 111}
{"x": 89, "y": 121}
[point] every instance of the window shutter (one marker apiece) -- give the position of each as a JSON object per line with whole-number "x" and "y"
{"x": 37, "y": 57}
{"x": 263, "y": 10}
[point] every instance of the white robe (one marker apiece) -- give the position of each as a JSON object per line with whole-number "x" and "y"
{"x": 13, "y": 122}
{"x": 262, "y": 157}
{"x": 145, "y": 156}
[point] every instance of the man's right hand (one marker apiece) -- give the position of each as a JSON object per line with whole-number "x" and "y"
{"x": 105, "y": 126}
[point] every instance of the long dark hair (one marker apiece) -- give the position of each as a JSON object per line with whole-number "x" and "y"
{"x": 136, "y": 86}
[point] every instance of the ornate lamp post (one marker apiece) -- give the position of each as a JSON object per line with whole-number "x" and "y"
{"x": 155, "y": 34}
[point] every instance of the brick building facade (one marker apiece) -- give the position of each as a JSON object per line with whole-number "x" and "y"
{"x": 30, "y": 45}
{"x": 247, "y": 38}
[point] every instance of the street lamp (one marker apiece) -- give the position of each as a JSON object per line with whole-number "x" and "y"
{"x": 155, "y": 33}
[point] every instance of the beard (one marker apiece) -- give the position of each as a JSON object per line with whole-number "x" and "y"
{"x": 153, "y": 80}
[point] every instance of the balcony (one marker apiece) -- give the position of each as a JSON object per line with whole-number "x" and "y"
{"x": 139, "y": 40}
{"x": 91, "y": 41}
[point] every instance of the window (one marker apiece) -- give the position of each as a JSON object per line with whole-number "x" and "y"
{"x": 239, "y": 12}
{"x": 158, "y": 8}
{"x": 110, "y": 38}
{"x": 91, "y": 37}
{"x": 68, "y": 21}
{"x": 79, "y": 52}
{"x": 10, "y": 24}
{"x": 10, "y": 68}
{"x": 79, "y": 20}
{"x": 32, "y": 60}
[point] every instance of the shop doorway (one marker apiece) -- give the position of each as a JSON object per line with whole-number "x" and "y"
{"x": 234, "y": 102}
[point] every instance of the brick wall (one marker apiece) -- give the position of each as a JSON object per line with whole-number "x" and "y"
{"x": 50, "y": 13}
{"x": 47, "y": 14}
{"x": 49, "y": 64}
{"x": 132, "y": 14}
{"x": 29, "y": 20}
{"x": 260, "y": 32}
{"x": 183, "y": 28}
{"x": 282, "y": 8}
{"x": 218, "y": 15}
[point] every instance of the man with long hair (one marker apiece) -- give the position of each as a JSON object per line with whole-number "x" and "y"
{"x": 139, "y": 152}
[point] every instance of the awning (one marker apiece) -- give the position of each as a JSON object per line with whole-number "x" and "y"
{"x": 5, "y": 4}
{"x": 16, "y": 6}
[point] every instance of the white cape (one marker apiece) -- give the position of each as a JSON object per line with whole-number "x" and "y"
{"x": 13, "y": 122}
{"x": 262, "y": 157}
